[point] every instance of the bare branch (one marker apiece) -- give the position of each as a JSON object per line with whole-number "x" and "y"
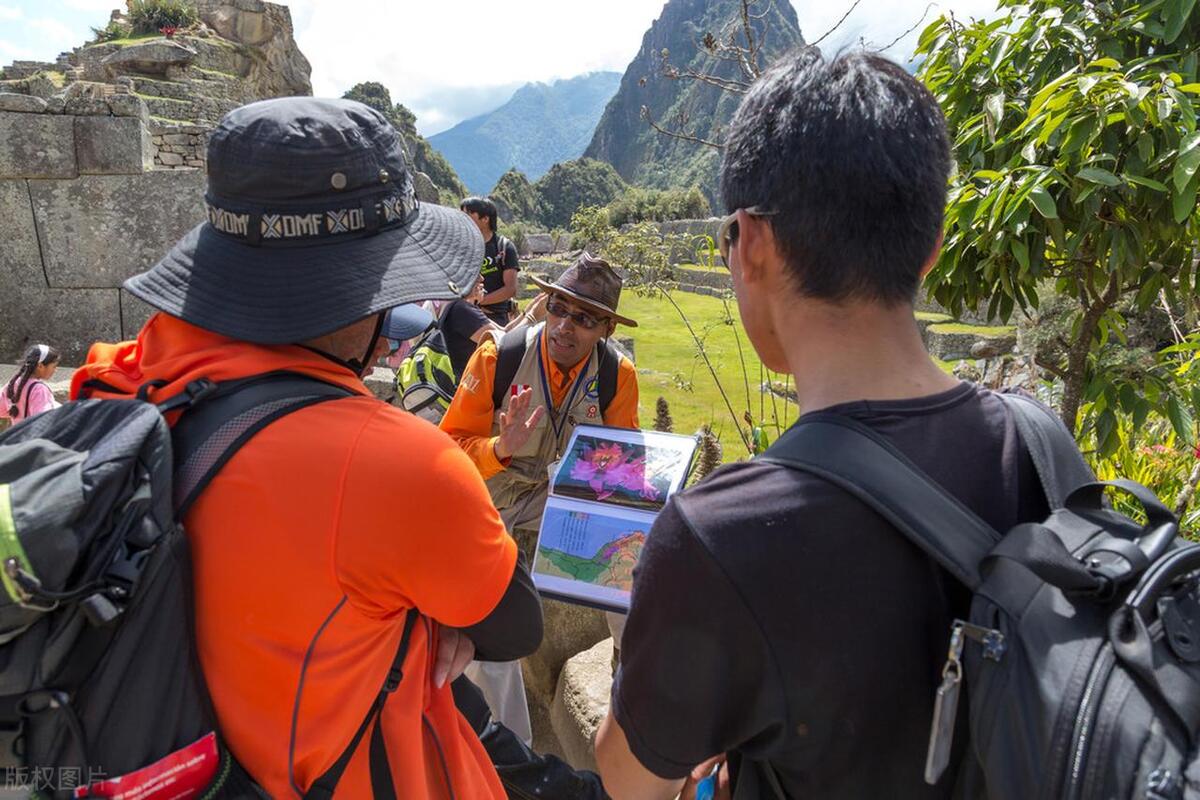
{"x": 683, "y": 135}
{"x": 915, "y": 25}
{"x": 1178, "y": 334}
{"x": 845, "y": 16}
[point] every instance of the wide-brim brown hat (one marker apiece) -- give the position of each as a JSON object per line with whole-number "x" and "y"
{"x": 592, "y": 283}
{"x": 313, "y": 224}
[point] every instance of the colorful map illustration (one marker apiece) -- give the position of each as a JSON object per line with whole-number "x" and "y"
{"x": 597, "y": 550}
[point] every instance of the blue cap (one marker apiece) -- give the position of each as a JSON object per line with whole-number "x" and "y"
{"x": 405, "y": 322}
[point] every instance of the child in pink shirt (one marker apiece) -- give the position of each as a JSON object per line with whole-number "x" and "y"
{"x": 27, "y": 393}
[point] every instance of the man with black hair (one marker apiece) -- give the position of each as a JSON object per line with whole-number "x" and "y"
{"x": 781, "y": 631}
{"x": 500, "y": 261}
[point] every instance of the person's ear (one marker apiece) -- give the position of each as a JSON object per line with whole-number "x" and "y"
{"x": 756, "y": 246}
{"x": 612, "y": 328}
{"x": 933, "y": 255}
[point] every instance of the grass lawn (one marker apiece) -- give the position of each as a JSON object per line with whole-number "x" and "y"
{"x": 669, "y": 367}
{"x": 978, "y": 330}
{"x": 666, "y": 356}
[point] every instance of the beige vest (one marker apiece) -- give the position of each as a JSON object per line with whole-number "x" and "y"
{"x": 520, "y": 490}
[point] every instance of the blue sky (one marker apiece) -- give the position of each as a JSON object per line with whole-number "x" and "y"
{"x": 448, "y": 61}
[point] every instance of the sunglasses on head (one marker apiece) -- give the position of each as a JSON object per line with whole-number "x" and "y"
{"x": 557, "y": 309}
{"x": 729, "y": 229}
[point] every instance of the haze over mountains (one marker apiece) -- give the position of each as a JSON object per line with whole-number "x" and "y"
{"x": 540, "y": 125}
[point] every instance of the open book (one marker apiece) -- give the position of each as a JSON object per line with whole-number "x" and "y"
{"x": 604, "y": 496}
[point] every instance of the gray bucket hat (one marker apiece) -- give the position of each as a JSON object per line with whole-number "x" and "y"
{"x": 312, "y": 225}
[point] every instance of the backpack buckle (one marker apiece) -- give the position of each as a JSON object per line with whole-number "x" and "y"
{"x": 195, "y": 392}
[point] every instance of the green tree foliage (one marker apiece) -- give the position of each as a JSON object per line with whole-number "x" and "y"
{"x": 424, "y": 157}
{"x": 1077, "y": 150}
{"x": 641, "y": 205}
{"x": 571, "y": 185}
{"x": 112, "y": 31}
{"x": 515, "y": 198}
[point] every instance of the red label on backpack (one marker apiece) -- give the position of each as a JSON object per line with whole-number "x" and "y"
{"x": 182, "y": 775}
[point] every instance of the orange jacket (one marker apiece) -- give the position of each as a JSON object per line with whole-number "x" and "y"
{"x": 318, "y": 535}
{"x": 468, "y": 420}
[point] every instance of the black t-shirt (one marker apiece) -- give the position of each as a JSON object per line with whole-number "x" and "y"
{"x": 494, "y": 265}
{"x": 776, "y": 617}
{"x": 459, "y": 322}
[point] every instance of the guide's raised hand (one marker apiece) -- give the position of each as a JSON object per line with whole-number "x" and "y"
{"x": 516, "y": 426}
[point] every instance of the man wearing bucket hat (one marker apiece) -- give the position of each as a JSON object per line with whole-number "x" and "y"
{"x": 519, "y": 402}
{"x": 303, "y": 578}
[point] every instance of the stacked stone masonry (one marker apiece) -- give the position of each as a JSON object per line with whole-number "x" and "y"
{"x": 83, "y": 209}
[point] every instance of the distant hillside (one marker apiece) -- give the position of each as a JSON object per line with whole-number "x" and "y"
{"x": 541, "y": 125}
{"x": 645, "y": 157}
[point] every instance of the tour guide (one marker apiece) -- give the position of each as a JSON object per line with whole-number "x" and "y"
{"x": 517, "y": 406}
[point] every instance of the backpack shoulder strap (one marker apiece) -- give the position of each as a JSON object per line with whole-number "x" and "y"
{"x": 220, "y": 418}
{"x": 610, "y": 362}
{"x": 1056, "y": 457}
{"x": 510, "y": 351}
{"x": 855, "y": 458}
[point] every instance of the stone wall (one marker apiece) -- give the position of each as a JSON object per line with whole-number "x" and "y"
{"x": 82, "y": 210}
{"x": 179, "y": 146}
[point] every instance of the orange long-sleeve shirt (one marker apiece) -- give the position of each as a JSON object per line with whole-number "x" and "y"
{"x": 468, "y": 420}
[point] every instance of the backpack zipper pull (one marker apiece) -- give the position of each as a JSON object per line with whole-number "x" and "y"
{"x": 945, "y": 709}
{"x": 945, "y": 702}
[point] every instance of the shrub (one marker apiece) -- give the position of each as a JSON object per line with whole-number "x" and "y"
{"x": 113, "y": 30}
{"x": 151, "y": 16}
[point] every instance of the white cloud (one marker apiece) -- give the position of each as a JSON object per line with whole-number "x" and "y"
{"x": 420, "y": 49}
{"x": 52, "y": 35}
{"x": 7, "y": 13}
{"x": 10, "y": 52}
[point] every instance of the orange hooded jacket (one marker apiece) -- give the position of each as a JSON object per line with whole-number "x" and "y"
{"x": 319, "y": 534}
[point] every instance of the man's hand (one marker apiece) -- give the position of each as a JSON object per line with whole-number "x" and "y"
{"x": 455, "y": 652}
{"x": 515, "y": 426}
{"x": 701, "y": 772}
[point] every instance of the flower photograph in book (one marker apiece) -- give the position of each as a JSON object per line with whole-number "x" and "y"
{"x": 622, "y": 473}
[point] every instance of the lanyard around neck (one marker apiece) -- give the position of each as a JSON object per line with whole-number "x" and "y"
{"x": 558, "y": 421}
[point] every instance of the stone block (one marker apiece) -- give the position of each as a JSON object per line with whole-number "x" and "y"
{"x": 70, "y": 319}
{"x": 155, "y": 57}
{"x": 87, "y": 106}
{"x": 129, "y": 105}
{"x": 134, "y": 314}
{"x": 56, "y": 105}
{"x": 36, "y": 146}
{"x": 112, "y": 146}
{"x": 177, "y": 138}
{"x": 170, "y": 159}
{"x": 581, "y": 703}
{"x": 20, "y": 257}
{"x": 100, "y": 229}
{"x": 569, "y": 629}
{"x": 21, "y": 103}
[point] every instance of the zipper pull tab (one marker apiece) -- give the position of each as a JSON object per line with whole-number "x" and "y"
{"x": 992, "y": 640}
{"x": 945, "y": 709}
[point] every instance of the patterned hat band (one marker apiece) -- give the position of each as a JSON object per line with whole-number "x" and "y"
{"x": 265, "y": 228}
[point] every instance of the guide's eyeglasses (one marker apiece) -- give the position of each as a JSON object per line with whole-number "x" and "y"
{"x": 556, "y": 309}
{"x": 729, "y": 229}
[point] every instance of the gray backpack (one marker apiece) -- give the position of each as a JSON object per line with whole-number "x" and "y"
{"x": 1081, "y": 656}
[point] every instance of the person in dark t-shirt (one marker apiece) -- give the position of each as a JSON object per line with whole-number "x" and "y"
{"x": 464, "y": 325}
{"x": 500, "y": 261}
{"x": 781, "y": 630}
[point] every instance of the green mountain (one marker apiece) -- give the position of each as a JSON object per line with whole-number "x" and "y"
{"x": 541, "y": 125}
{"x": 647, "y": 158}
{"x": 424, "y": 158}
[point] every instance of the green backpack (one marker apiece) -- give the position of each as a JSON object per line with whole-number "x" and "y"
{"x": 425, "y": 382}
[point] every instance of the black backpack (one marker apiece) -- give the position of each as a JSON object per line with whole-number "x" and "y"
{"x": 1081, "y": 655}
{"x": 98, "y": 668}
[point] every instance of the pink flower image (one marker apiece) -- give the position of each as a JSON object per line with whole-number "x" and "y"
{"x": 609, "y": 467}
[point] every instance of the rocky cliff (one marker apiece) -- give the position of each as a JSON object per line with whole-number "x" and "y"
{"x": 647, "y": 158}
